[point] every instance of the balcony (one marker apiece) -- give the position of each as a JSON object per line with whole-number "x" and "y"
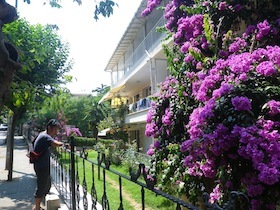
{"x": 144, "y": 103}
{"x": 148, "y": 45}
{"x": 137, "y": 112}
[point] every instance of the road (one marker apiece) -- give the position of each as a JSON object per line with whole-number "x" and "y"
{"x": 3, "y": 135}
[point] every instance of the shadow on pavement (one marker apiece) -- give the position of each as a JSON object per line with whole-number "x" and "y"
{"x": 17, "y": 194}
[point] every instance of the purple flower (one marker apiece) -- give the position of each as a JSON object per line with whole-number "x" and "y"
{"x": 223, "y": 53}
{"x": 166, "y": 119}
{"x": 264, "y": 29}
{"x": 149, "y": 177}
{"x": 188, "y": 58}
{"x": 73, "y": 132}
{"x": 243, "y": 77}
{"x": 205, "y": 3}
{"x": 150, "y": 152}
{"x": 186, "y": 145}
{"x": 237, "y": 45}
{"x": 185, "y": 47}
{"x": 274, "y": 107}
{"x": 208, "y": 169}
{"x": 241, "y": 103}
{"x": 224, "y": 89}
{"x": 150, "y": 115}
{"x": 237, "y": 7}
{"x": 149, "y": 129}
{"x": 268, "y": 175}
{"x": 266, "y": 68}
{"x": 222, "y": 5}
{"x": 256, "y": 204}
{"x": 157, "y": 144}
{"x": 241, "y": 63}
{"x": 216, "y": 194}
{"x": 250, "y": 29}
{"x": 255, "y": 190}
{"x": 151, "y": 5}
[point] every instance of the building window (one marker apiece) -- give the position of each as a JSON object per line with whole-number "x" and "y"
{"x": 147, "y": 92}
{"x": 136, "y": 97}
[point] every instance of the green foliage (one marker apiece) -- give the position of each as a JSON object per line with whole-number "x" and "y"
{"x": 104, "y": 144}
{"x": 100, "y": 146}
{"x": 75, "y": 111}
{"x": 50, "y": 108}
{"x": 105, "y": 8}
{"x": 130, "y": 189}
{"x": 82, "y": 112}
{"x": 85, "y": 113}
{"x": 43, "y": 64}
{"x": 83, "y": 141}
{"x": 131, "y": 157}
{"x": 106, "y": 123}
{"x": 100, "y": 91}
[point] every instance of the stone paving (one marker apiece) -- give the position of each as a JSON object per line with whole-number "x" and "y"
{"x": 18, "y": 193}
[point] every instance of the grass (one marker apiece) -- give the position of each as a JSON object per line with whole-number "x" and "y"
{"x": 131, "y": 192}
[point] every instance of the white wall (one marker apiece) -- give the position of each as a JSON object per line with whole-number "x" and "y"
{"x": 161, "y": 70}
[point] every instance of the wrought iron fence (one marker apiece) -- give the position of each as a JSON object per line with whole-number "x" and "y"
{"x": 74, "y": 174}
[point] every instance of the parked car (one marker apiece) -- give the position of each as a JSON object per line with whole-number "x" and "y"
{"x": 3, "y": 127}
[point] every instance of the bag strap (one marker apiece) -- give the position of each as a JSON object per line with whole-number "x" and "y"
{"x": 31, "y": 146}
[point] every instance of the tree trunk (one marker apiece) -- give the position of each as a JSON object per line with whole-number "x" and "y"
{"x": 95, "y": 133}
{"x": 10, "y": 148}
{"x": 10, "y": 142}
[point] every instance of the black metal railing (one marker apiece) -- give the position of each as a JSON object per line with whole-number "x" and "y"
{"x": 74, "y": 173}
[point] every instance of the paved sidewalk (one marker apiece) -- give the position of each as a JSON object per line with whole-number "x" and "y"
{"x": 18, "y": 193}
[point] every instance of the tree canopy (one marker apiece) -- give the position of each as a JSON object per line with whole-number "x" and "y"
{"x": 103, "y": 7}
{"x": 9, "y": 55}
{"x": 44, "y": 59}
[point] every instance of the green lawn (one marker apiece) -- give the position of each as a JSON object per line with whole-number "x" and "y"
{"x": 131, "y": 191}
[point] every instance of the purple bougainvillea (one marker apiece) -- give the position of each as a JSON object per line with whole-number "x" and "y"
{"x": 216, "y": 118}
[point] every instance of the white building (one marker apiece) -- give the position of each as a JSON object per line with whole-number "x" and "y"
{"x": 136, "y": 66}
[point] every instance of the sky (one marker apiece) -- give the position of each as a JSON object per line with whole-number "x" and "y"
{"x": 91, "y": 42}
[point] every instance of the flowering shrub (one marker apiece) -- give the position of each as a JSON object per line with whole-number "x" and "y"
{"x": 217, "y": 116}
{"x": 66, "y": 131}
{"x": 73, "y": 132}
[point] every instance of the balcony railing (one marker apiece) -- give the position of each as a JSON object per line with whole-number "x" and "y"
{"x": 141, "y": 104}
{"x": 150, "y": 42}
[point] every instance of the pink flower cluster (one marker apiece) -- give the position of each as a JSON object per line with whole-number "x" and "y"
{"x": 241, "y": 103}
{"x": 274, "y": 107}
{"x": 73, "y": 132}
{"x": 152, "y": 127}
{"x": 152, "y": 4}
{"x": 227, "y": 97}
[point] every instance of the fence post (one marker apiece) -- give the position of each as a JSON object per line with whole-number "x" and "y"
{"x": 73, "y": 186}
{"x": 99, "y": 163}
